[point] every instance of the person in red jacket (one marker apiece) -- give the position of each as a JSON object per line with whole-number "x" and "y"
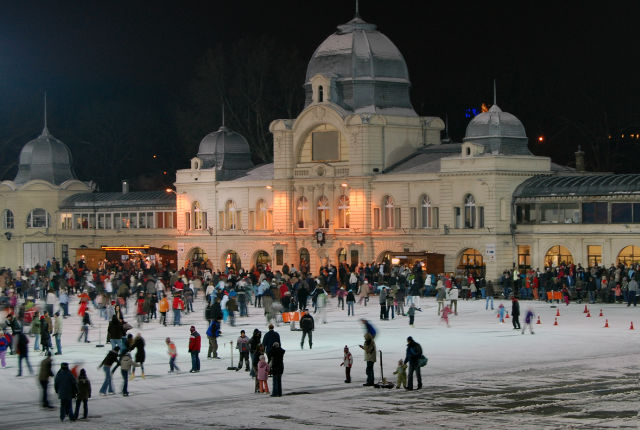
{"x": 178, "y": 306}
{"x": 194, "y": 350}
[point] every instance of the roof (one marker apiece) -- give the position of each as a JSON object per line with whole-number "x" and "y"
{"x": 579, "y": 185}
{"x": 425, "y": 160}
{"x": 225, "y": 150}
{"x": 263, "y": 172}
{"x": 45, "y": 158}
{"x": 132, "y": 199}
{"x": 499, "y": 132}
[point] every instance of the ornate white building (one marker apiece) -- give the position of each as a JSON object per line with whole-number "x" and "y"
{"x": 359, "y": 165}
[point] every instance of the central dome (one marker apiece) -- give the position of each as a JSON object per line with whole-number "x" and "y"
{"x": 226, "y": 151}
{"x": 500, "y": 132}
{"x": 368, "y": 70}
{"x": 45, "y": 158}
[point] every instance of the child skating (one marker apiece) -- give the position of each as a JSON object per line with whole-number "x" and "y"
{"x": 501, "y": 312}
{"x": 347, "y": 362}
{"x": 445, "y": 315}
{"x": 401, "y": 371}
{"x": 412, "y": 313}
{"x": 528, "y": 321}
{"x": 263, "y": 374}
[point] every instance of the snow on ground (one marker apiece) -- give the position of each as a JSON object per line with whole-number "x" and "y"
{"x": 480, "y": 375}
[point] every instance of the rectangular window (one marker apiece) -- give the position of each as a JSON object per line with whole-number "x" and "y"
{"x": 621, "y": 212}
{"x": 563, "y": 213}
{"x": 457, "y": 217}
{"x": 92, "y": 221}
{"x": 414, "y": 217}
{"x": 524, "y": 256}
{"x": 117, "y": 221}
{"x": 594, "y": 255}
{"x": 65, "y": 254}
{"x": 636, "y": 213}
{"x": 435, "y": 215}
{"x": 108, "y": 224}
{"x": 67, "y": 221}
{"x": 594, "y": 213}
{"x": 325, "y": 145}
{"x": 187, "y": 220}
{"x": 398, "y": 218}
{"x": 279, "y": 257}
{"x": 221, "y": 224}
{"x": 252, "y": 220}
{"x": 270, "y": 219}
{"x": 160, "y": 219}
{"x": 355, "y": 259}
{"x": 133, "y": 220}
{"x": 480, "y": 216}
{"x": 376, "y": 218}
{"x": 101, "y": 221}
{"x": 526, "y": 214}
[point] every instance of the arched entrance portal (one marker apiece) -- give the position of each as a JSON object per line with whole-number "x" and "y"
{"x": 557, "y": 255}
{"x": 262, "y": 259}
{"x": 472, "y": 262}
{"x": 231, "y": 259}
{"x": 197, "y": 257}
{"x": 629, "y": 255}
{"x": 305, "y": 260}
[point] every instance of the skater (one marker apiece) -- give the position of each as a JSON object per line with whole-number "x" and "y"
{"x": 254, "y": 343}
{"x": 401, "y": 371}
{"x": 66, "y": 387}
{"x": 269, "y": 338}
{"x": 125, "y": 363}
{"x": 489, "y": 294}
{"x": 347, "y": 362}
{"x": 194, "y": 350}
{"x": 515, "y": 313}
{"x": 138, "y": 345}
{"x": 84, "y": 329}
{"x": 307, "y": 324}
{"x": 445, "y": 315}
{"x": 84, "y": 393}
{"x": 382, "y": 299}
{"x": 441, "y": 295}
{"x": 368, "y": 328}
{"x": 178, "y": 306}
{"x": 370, "y": 353}
{"x": 45, "y": 332}
{"x": 173, "y": 353}
{"x": 242, "y": 345}
{"x": 109, "y": 359}
{"x": 501, "y": 311}
{"x": 528, "y": 321}
{"x": 115, "y": 332}
{"x": 43, "y": 377}
{"x": 351, "y": 302}
{"x": 411, "y": 312}
{"x": 163, "y": 307}
{"x": 4, "y": 344}
{"x": 452, "y": 294}
{"x": 213, "y": 333}
{"x": 57, "y": 332}
{"x": 22, "y": 347}
{"x": 263, "y": 374}
{"x": 414, "y": 352}
{"x": 35, "y": 330}
{"x": 276, "y": 358}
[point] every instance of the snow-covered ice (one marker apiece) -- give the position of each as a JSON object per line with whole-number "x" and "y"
{"x": 480, "y": 375}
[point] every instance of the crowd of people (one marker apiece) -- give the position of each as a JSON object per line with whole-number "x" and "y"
{"x": 36, "y": 301}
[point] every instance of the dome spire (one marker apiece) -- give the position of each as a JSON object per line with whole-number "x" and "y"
{"x": 494, "y": 91}
{"x": 357, "y": 9}
{"x": 45, "y": 130}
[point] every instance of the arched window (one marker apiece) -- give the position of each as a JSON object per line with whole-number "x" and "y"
{"x": 323, "y": 212}
{"x": 557, "y": 255}
{"x": 38, "y": 218}
{"x": 629, "y": 255}
{"x": 469, "y": 211}
{"x": 231, "y": 216}
{"x": 199, "y": 217}
{"x": 426, "y": 215}
{"x": 344, "y": 212}
{"x": 320, "y": 94}
{"x": 302, "y": 210}
{"x": 388, "y": 212}
{"x": 7, "y": 220}
{"x": 263, "y": 216}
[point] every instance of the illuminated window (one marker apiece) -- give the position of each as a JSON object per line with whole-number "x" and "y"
{"x": 426, "y": 212}
{"x": 524, "y": 256}
{"x": 344, "y": 212}
{"x": 323, "y": 210}
{"x": 471, "y": 258}
{"x": 594, "y": 255}
{"x": 198, "y": 216}
{"x": 7, "y": 220}
{"x": 38, "y": 218}
{"x": 557, "y": 255}
{"x": 232, "y": 216}
{"x": 66, "y": 221}
{"x": 388, "y": 219}
{"x": 263, "y": 216}
{"x": 629, "y": 255}
{"x": 469, "y": 211}
{"x": 302, "y": 209}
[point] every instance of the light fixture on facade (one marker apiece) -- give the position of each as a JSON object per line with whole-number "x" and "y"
{"x": 268, "y": 187}
{"x": 344, "y": 185}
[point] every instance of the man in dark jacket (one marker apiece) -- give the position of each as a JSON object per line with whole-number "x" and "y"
{"x": 276, "y": 358}
{"x": 515, "y": 313}
{"x": 307, "y": 325}
{"x": 109, "y": 359}
{"x": 269, "y": 338}
{"x": 303, "y": 295}
{"x": 213, "y": 333}
{"x": 115, "y": 332}
{"x": 66, "y": 386}
{"x": 414, "y": 352}
{"x": 43, "y": 377}
{"x": 194, "y": 349}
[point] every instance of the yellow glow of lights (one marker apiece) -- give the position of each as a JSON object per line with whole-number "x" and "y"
{"x": 268, "y": 187}
{"x": 344, "y": 185}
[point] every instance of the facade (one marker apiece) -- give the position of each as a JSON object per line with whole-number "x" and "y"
{"x": 357, "y": 176}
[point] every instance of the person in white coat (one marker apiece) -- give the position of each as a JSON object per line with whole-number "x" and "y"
{"x": 452, "y": 295}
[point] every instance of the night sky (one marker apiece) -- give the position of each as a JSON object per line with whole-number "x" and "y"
{"x": 119, "y": 71}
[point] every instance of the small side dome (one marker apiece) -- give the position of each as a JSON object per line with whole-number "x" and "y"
{"x": 225, "y": 150}
{"x": 500, "y": 132}
{"x": 45, "y": 158}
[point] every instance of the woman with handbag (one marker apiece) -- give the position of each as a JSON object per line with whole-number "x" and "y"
{"x": 413, "y": 356}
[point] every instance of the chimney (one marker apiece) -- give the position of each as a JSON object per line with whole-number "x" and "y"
{"x": 579, "y": 160}
{"x": 125, "y": 186}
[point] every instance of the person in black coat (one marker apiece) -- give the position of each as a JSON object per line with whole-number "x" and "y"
{"x": 115, "y": 332}
{"x": 276, "y": 358}
{"x": 269, "y": 338}
{"x": 413, "y": 354}
{"x": 303, "y": 295}
{"x": 66, "y": 386}
{"x": 515, "y": 313}
{"x": 307, "y": 324}
{"x": 138, "y": 345}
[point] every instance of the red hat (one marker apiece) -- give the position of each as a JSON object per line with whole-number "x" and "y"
{"x": 193, "y": 328}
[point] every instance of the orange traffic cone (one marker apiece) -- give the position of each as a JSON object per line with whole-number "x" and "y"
{"x": 588, "y": 314}
{"x": 631, "y": 327}
{"x": 601, "y": 315}
{"x": 507, "y": 316}
{"x": 555, "y": 322}
{"x": 538, "y": 320}
{"x": 606, "y": 323}
{"x": 586, "y": 310}
{"x": 558, "y": 312}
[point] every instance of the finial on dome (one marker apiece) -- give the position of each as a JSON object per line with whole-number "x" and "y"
{"x": 357, "y": 9}
{"x": 45, "y": 130}
{"x": 494, "y": 92}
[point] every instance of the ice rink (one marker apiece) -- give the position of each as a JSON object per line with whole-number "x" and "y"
{"x": 481, "y": 374}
